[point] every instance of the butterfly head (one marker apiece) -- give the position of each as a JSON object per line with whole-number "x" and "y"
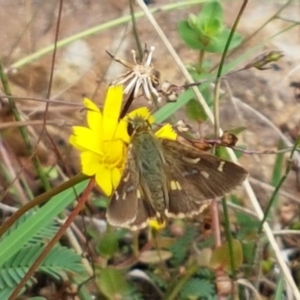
{"x": 137, "y": 125}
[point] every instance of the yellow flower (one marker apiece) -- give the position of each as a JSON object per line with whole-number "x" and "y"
{"x": 104, "y": 142}
{"x": 155, "y": 225}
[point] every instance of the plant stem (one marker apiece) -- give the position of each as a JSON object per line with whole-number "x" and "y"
{"x": 200, "y": 61}
{"x": 134, "y": 30}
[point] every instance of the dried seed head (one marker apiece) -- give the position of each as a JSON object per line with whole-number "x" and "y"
{"x": 141, "y": 75}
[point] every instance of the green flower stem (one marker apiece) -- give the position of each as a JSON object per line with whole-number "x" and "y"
{"x": 200, "y": 61}
{"x": 281, "y": 181}
{"x": 233, "y": 29}
{"x": 40, "y": 200}
{"x": 23, "y": 130}
{"x": 64, "y": 42}
{"x": 54, "y": 240}
{"x": 220, "y": 69}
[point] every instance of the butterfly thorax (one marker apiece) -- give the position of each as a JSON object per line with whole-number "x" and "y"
{"x": 150, "y": 163}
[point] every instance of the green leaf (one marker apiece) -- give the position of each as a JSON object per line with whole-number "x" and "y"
{"x": 209, "y": 14}
{"x": 192, "y": 21}
{"x": 108, "y": 244}
{"x": 190, "y": 35}
{"x": 249, "y": 250}
{"x": 237, "y": 130}
{"x": 200, "y": 32}
{"x": 220, "y": 258}
{"x": 44, "y": 235}
{"x": 112, "y": 283}
{"x": 279, "y": 293}
{"x": 248, "y": 225}
{"x": 222, "y": 152}
{"x": 217, "y": 43}
{"x": 101, "y": 202}
{"x": 181, "y": 247}
{"x": 196, "y": 288}
{"x": 213, "y": 29}
{"x": 40, "y": 219}
{"x": 154, "y": 256}
{"x": 60, "y": 259}
{"x": 277, "y": 170}
{"x": 158, "y": 280}
{"x": 169, "y": 109}
{"x": 278, "y": 166}
{"x": 195, "y": 111}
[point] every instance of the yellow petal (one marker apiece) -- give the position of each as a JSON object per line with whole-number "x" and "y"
{"x": 89, "y": 104}
{"x": 141, "y": 112}
{"x": 72, "y": 141}
{"x": 94, "y": 117}
{"x": 85, "y": 139}
{"x": 114, "y": 152}
{"x": 121, "y": 131}
{"x": 166, "y": 132}
{"x": 90, "y": 163}
{"x": 116, "y": 174}
{"x": 154, "y": 224}
{"x": 104, "y": 180}
{"x": 111, "y": 111}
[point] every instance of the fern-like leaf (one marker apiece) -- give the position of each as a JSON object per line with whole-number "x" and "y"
{"x": 59, "y": 260}
{"x": 181, "y": 247}
{"x": 44, "y": 235}
{"x": 197, "y": 288}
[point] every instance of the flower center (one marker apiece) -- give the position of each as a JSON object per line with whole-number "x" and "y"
{"x": 114, "y": 154}
{"x": 142, "y": 70}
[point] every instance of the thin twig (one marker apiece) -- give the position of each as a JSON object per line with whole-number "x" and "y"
{"x": 54, "y": 122}
{"x": 16, "y": 180}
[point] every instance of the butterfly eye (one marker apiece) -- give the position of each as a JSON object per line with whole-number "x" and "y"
{"x": 130, "y": 129}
